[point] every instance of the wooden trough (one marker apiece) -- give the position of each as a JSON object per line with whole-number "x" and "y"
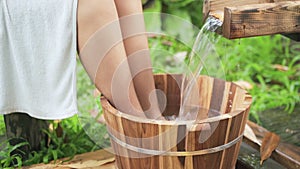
{"x": 156, "y": 144}
{"x": 248, "y": 18}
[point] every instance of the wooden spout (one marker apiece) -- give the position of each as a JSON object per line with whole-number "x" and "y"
{"x": 256, "y": 17}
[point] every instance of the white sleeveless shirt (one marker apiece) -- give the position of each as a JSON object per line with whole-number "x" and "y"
{"x": 38, "y": 58}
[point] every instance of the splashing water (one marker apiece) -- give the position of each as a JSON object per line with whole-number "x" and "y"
{"x": 203, "y": 48}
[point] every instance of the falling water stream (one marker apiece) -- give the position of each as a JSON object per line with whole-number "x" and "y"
{"x": 203, "y": 47}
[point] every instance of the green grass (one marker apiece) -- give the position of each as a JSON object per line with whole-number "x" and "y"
{"x": 6, "y": 159}
{"x": 253, "y": 60}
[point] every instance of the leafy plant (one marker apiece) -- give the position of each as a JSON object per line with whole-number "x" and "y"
{"x": 68, "y": 145}
{"x": 8, "y": 159}
{"x": 164, "y": 54}
{"x": 269, "y": 65}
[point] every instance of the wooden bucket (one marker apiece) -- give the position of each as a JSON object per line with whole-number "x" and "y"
{"x": 154, "y": 144}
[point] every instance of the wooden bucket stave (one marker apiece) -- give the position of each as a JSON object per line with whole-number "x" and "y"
{"x": 182, "y": 140}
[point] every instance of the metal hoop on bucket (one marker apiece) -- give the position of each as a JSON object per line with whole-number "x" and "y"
{"x": 178, "y": 154}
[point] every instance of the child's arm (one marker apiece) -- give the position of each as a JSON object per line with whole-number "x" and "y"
{"x": 136, "y": 45}
{"x": 106, "y": 61}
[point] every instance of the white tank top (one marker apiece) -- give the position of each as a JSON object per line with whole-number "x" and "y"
{"x": 38, "y": 58}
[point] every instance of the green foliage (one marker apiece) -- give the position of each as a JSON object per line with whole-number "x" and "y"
{"x": 178, "y": 24}
{"x": 176, "y": 3}
{"x": 70, "y": 143}
{"x": 191, "y": 7}
{"x": 163, "y": 49}
{"x": 9, "y": 160}
{"x": 195, "y": 11}
{"x": 254, "y": 60}
{"x": 55, "y": 150}
{"x": 85, "y": 98}
{"x": 2, "y": 125}
{"x": 179, "y": 18}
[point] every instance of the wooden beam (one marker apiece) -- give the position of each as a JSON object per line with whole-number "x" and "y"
{"x": 217, "y": 6}
{"x": 261, "y": 19}
{"x": 211, "y": 7}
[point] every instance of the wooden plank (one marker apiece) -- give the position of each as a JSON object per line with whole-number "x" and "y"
{"x": 285, "y": 154}
{"x": 261, "y": 19}
{"x": 101, "y": 159}
{"x": 213, "y": 7}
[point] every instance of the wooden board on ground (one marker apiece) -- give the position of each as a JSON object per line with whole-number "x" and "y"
{"x": 285, "y": 154}
{"x": 101, "y": 159}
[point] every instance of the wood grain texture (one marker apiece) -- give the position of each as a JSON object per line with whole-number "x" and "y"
{"x": 261, "y": 19}
{"x": 173, "y": 98}
{"x": 94, "y": 160}
{"x": 225, "y": 97}
{"x": 214, "y": 129}
{"x": 217, "y": 97}
{"x": 205, "y": 87}
{"x": 211, "y": 7}
{"x": 216, "y": 7}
